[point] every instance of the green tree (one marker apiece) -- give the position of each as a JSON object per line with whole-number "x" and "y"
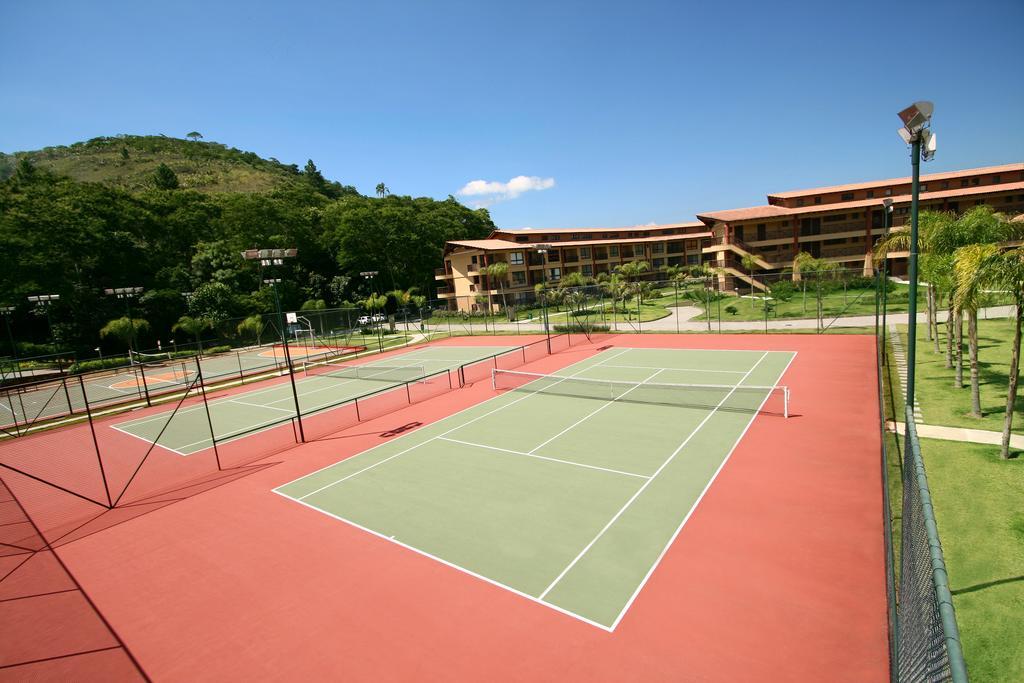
{"x": 382, "y": 190}
{"x": 498, "y": 272}
{"x": 164, "y": 178}
{"x": 124, "y": 329}
{"x": 819, "y": 271}
{"x": 252, "y": 327}
{"x": 193, "y": 327}
{"x": 213, "y": 301}
{"x": 194, "y": 136}
{"x": 988, "y": 265}
{"x": 314, "y": 177}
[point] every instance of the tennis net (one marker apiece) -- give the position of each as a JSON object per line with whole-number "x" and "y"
{"x": 772, "y": 400}
{"x": 139, "y": 358}
{"x": 383, "y": 373}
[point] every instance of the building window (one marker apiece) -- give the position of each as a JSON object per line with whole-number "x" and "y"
{"x": 871, "y": 194}
{"x": 888, "y": 192}
{"x": 584, "y": 252}
{"x": 588, "y": 270}
{"x": 522, "y": 238}
{"x": 693, "y": 259}
{"x": 995, "y": 180}
{"x": 516, "y": 258}
{"x": 834, "y": 218}
{"x": 964, "y": 182}
{"x": 659, "y": 262}
{"x": 832, "y": 243}
{"x": 762, "y": 231}
{"x": 675, "y": 247}
{"x": 554, "y": 255}
{"x": 810, "y": 226}
{"x": 518, "y": 278}
{"x": 800, "y": 201}
{"x": 613, "y": 250}
{"x": 924, "y": 188}
{"x": 555, "y": 273}
{"x": 627, "y": 251}
{"x": 817, "y": 200}
{"x": 737, "y": 232}
{"x": 659, "y": 247}
{"x": 847, "y": 197}
{"x": 975, "y": 181}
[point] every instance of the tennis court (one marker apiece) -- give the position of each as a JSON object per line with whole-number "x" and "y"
{"x": 566, "y": 489}
{"x": 319, "y": 387}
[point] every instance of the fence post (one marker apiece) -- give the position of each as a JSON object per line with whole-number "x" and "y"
{"x": 14, "y": 414}
{"x": 145, "y": 384}
{"x": 95, "y": 443}
{"x": 241, "y": 374}
{"x": 64, "y": 382}
{"x": 206, "y": 406}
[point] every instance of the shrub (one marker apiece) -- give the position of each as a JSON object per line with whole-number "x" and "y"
{"x": 97, "y": 364}
{"x": 582, "y": 328}
{"x": 731, "y": 310}
{"x": 218, "y": 349}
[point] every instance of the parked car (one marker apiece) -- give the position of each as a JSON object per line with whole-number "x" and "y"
{"x": 363, "y": 320}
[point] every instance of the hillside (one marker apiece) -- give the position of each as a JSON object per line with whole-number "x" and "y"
{"x": 128, "y": 162}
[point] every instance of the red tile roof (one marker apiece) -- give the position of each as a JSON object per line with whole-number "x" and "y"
{"x": 773, "y": 211}
{"x": 501, "y": 245}
{"x": 630, "y": 228}
{"x": 928, "y": 178}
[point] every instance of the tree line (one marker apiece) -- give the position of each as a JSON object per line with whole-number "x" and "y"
{"x": 74, "y": 239}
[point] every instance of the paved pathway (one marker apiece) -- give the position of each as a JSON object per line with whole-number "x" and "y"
{"x": 960, "y": 434}
{"x": 901, "y": 368}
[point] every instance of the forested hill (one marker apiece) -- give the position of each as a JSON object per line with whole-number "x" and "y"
{"x": 72, "y": 224}
{"x": 129, "y": 162}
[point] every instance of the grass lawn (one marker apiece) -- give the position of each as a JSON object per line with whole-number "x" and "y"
{"x": 977, "y": 500}
{"x": 942, "y": 404}
{"x": 854, "y": 301}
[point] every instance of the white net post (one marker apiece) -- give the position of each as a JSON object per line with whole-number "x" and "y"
{"x": 785, "y": 401}
{"x": 494, "y": 379}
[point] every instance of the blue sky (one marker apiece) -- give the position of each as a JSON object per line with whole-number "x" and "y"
{"x": 623, "y": 113}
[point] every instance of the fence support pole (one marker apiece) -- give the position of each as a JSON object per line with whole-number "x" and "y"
{"x": 145, "y": 384}
{"x": 206, "y": 407}
{"x": 95, "y": 443}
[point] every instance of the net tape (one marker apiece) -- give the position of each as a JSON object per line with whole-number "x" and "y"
{"x": 383, "y": 373}
{"x": 724, "y": 397}
{"x": 139, "y": 358}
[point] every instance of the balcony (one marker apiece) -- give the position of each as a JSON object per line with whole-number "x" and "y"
{"x": 442, "y": 274}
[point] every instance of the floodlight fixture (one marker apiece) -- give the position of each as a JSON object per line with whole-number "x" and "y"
{"x": 369, "y": 273}
{"x": 887, "y": 204}
{"x": 916, "y": 116}
{"x": 928, "y": 144}
{"x": 7, "y": 310}
{"x": 123, "y": 292}
{"x": 44, "y": 299}
{"x": 271, "y": 280}
{"x": 269, "y": 254}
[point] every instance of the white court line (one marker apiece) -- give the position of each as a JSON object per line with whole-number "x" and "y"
{"x": 649, "y": 367}
{"x": 629, "y": 603}
{"x": 648, "y": 482}
{"x": 446, "y": 433}
{"x": 259, "y": 405}
{"x": 544, "y": 457}
{"x": 592, "y": 413}
{"x": 151, "y": 443}
{"x": 445, "y": 562}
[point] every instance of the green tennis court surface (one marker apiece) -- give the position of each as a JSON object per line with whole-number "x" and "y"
{"x": 566, "y": 490}
{"x": 322, "y": 387}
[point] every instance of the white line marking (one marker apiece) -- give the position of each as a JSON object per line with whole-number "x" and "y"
{"x": 457, "y": 427}
{"x": 629, "y": 603}
{"x": 590, "y": 414}
{"x": 544, "y": 457}
{"x": 648, "y": 482}
{"x": 447, "y": 563}
{"x": 144, "y": 439}
{"x": 648, "y": 367}
{"x": 259, "y": 405}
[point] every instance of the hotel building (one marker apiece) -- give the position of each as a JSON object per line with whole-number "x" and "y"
{"x": 839, "y": 223}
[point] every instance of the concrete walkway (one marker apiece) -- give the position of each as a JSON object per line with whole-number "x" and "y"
{"x": 959, "y": 434}
{"x": 685, "y": 322}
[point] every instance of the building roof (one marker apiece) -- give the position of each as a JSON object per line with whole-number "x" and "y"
{"x": 931, "y": 177}
{"x": 501, "y": 245}
{"x": 629, "y": 228}
{"x": 774, "y": 211}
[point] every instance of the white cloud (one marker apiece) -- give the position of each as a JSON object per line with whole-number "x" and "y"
{"x": 492, "y": 190}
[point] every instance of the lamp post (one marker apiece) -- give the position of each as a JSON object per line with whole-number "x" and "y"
{"x": 8, "y": 313}
{"x": 126, "y": 293}
{"x": 369, "y": 276}
{"x": 884, "y": 282}
{"x": 542, "y": 249}
{"x": 268, "y": 258}
{"x": 44, "y": 301}
{"x": 916, "y": 133}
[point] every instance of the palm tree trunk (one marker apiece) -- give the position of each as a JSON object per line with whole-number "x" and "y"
{"x": 934, "y": 311}
{"x": 972, "y": 341}
{"x": 958, "y": 328}
{"x": 949, "y": 334}
{"x": 928, "y": 308}
{"x": 1011, "y": 391}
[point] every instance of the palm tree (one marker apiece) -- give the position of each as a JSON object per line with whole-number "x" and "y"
{"x": 498, "y": 271}
{"x": 403, "y": 297}
{"x": 124, "y": 329}
{"x": 1000, "y": 270}
{"x": 632, "y": 271}
{"x": 382, "y": 190}
{"x": 253, "y": 326}
{"x": 194, "y": 327}
{"x": 819, "y": 270}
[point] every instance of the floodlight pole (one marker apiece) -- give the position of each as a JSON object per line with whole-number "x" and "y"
{"x": 886, "y": 222}
{"x": 915, "y": 160}
{"x": 275, "y": 257}
{"x": 45, "y": 300}
{"x": 542, "y": 250}
{"x": 8, "y": 312}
